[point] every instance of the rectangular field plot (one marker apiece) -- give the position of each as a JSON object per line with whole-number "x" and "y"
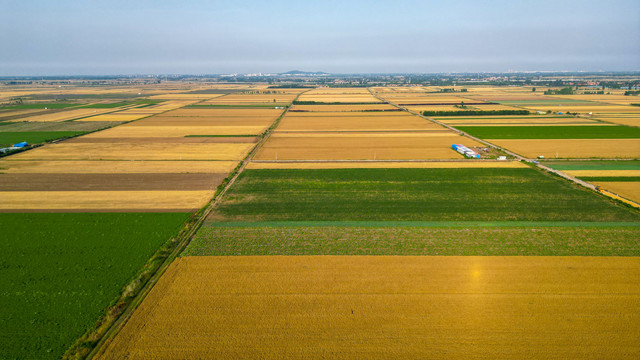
{"x": 133, "y": 151}
{"x": 415, "y": 238}
{"x": 466, "y": 164}
{"x": 60, "y": 271}
{"x": 518, "y": 194}
{"x": 343, "y": 108}
{"x": 382, "y": 307}
{"x": 112, "y": 200}
{"x": 114, "y": 167}
{"x": 627, "y": 189}
{"x": 364, "y": 146}
{"x": 572, "y": 148}
{"x": 552, "y": 132}
{"x": 335, "y": 122}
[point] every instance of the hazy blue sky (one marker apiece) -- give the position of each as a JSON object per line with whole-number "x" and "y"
{"x": 46, "y": 37}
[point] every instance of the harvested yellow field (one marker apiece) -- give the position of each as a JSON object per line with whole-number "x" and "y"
{"x": 348, "y": 113}
{"x": 11, "y": 166}
{"x": 377, "y": 146}
{"x": 580, "y": 173}
{"x": 133, "y": 151}
{"x": 184, "y": 96}
{"x": 345, "y": 108}
{"x": 115, "y": 117}
{"x": 629, "y": 121}
{"x": 24, "y": 112}
{"x": 627, "y": 189}
{"x": 495, "y": 107}
{"x": 224, "y": 113}
{"x": 105, "y": 200}
{"x": 466, "y": 164}
{"x": 129, "y": 130}
{"x": 331, "y": 98}
{"x": 383, "y": 307}
{"x": 525, "y": 121}
{"x": 596, "y": 108}
{"x": 65, "y": 115}
{"x": 239, "y": 99}
{"x": 573, "y": 148}
{"x": 420, "y": 109}
{"x": 292, "y": 122}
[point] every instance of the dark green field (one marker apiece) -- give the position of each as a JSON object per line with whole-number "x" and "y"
{"x": 391, "y": 239}
{"x": 412, "y": 195}
{"x": 56, "y": 105}
{"x": 59, "y": 271}
{"x": 612, "y": 178}
{"x": 34, "y": 137}
{"x": 552, "y": 132}
{"x": 594, "y": 165}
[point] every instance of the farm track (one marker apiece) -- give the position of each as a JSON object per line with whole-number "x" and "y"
{"x": 185, "y": 239}
{"x": 517, "y": 156}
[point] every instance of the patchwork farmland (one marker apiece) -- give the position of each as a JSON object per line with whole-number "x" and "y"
{"x": 242, "y": 221}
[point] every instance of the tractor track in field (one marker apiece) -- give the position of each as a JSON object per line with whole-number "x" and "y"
{"x": 184, "y": 239}
{"x": 516, "y": 156}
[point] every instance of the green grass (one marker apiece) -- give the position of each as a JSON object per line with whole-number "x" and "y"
{"x": 59, "y": 271}
{"x": 594, "y": 165}
{"x": 416, "y": 240}
{"x": 55, "y": 105}
{"x": 34, "y": 137}
{"x": 612, "y": 178}
{"x": 552, "y": 132}
{"x": 413, "y": 195}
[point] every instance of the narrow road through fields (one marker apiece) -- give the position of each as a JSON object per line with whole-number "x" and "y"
{"x": 516, "y": 156}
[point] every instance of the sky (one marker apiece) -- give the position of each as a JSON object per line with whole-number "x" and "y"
{"x": 44, "y": 37}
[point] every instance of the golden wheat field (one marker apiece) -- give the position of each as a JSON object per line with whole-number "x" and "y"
{"x": 627, "y": 189}
{"x": 11, "y": 166}
{"x": 293, "y": 122}
{"x": 344, "y": 108}
{"x": 572, "y": 148}
{"x": 136, "y": 130}
{"x": 223, "y": 113}
{"x": 337, "y": 98}
{"x": 116, "y": 117}
{"x": 133, "y": 151}
{"x": 381, "y": 307}
{"x": 378, "y": 146}
{"x": 184, "y": 200}
{"x": 461, "y": 164}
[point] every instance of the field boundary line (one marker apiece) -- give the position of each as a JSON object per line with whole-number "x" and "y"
{"x": 183, "y": 241}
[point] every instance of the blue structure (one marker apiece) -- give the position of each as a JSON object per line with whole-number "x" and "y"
{"x": 21, "y": 144}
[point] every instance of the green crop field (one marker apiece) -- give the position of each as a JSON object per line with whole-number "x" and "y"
{"x": 413, "y": 195}
{"x": 552, "y": 132}
{"x": 390, "y": 239}
{"x": 59, "y": 271}
{"x": 33, "y": 137}
{"x": 594, "y": 165}
{"x": 56, "y": 105}
{"x": 611, "y": 178}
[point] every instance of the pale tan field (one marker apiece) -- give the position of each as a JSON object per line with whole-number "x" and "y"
{"x": 346, "y": 108}
{"x": 234, "y": 99}
{"x": 610, "y": 99}
{"x": 23, "y": 112}
{"x": 622, "y": 120}
{"x": 115, "y": 117}
{"x": 466, "y": 164}
{"x": 376, "y": 146}
{"x": 185, "y": 96}
{"x": 579, "y": 173}
{"x": 573, "y": 148}
{"x": 130, "y": 130}
{"x": 388, "y": 307}
{"x": 292, "y": 122}
{"x": 420, "y": 109}
{"x": 349, "y": 113}
{"x": 596, "y": 108}
{"x": 105, "y": 200}
{"x": 495, "y": 107}
{"x": 524, "y": 121}
{"x": 224, "y": 113}
{"x": 10, "y": 166}
{"x": 330, "y": 98}
{"x": 202, "y": 121}
{"x": 65, "y": 115}
{"x": 133, "y": 151}
{"x": 627, "y": 189}
{"x": 338, "y": 91}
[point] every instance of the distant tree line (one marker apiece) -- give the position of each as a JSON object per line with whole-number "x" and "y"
{"x": 564, "y": 91}
{"x": 632, "y": 92}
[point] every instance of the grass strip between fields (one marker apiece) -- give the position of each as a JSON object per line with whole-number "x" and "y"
{"x": 611, "y": 178}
